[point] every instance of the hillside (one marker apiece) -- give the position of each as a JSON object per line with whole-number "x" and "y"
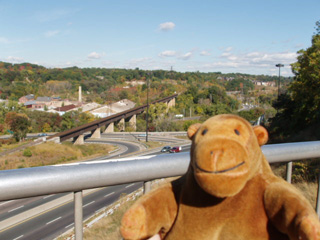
{"x": 104, "y": 85}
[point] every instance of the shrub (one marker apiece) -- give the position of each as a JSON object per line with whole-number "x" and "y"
{"x": 27, "y": 152}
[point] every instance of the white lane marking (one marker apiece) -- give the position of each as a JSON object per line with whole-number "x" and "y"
{"x": 88, "y": 204}
{"x": 109, "y": 194}
{"x": 16, "y": 208}
{"x": 69, "y": 225}
{"x": 130, "y": 185}
{"x": 5, "y": 202}
{"x": 53, "y": 220}
{"x": 18, "y": 237}
{"x": 48, "y": 196}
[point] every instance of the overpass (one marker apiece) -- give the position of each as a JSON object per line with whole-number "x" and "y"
{"x": 95, "y": 126}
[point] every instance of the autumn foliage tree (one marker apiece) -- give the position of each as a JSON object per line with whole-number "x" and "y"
{"x": 19, "y": 123}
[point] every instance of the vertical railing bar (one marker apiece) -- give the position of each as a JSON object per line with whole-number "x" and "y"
{"x": 78, "y": 215}
{"x": 289, "y": 171}
{"x": 318, "y": 197}
{"x": 146, "y": 187}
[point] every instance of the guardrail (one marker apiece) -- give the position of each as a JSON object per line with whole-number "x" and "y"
{"x": 37, "y": 181}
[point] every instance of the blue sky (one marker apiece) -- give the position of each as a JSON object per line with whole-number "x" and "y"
{"x": 247, "y": 36}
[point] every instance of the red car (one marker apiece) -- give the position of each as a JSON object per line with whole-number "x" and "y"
{"x": 175, "y": 149}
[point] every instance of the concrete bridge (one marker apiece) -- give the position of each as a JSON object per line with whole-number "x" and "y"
{"x": 95, "y": 127}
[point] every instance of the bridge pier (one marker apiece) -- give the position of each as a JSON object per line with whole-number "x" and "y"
{"x": 122, "y": 125}
{"x": 79, "y": 140}
{"x": 172, "y": 103}
{"x": 109, "y": 128}
{"x": 133, "y": 122}
{"x": 96, "y": 133}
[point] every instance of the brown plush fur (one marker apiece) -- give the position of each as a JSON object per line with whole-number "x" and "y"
{"x": 229, "y": 192}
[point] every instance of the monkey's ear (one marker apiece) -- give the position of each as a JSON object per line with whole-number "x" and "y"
{"x": 193, "y": 129}
{"x": 261, "y": 134}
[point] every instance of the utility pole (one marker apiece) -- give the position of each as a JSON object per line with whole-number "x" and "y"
{"x": 147, "y": 107}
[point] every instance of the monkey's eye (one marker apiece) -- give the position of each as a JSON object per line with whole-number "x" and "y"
{"x": 237, "y": 132}
{"x": 204, "y": 132}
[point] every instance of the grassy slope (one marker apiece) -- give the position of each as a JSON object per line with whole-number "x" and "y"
{"x": 51, "y": 153}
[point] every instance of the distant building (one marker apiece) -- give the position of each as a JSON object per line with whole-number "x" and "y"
{"x": 34, "y": 105}
{"x": 26, "y": 98}
{"x": 64, "y": 109}
{"x": 46, "y": 100}
{"x": 89, "y": 106}
{"x": 113, "y": 108}
{"x": 122, "y": 105}
{"x": 267, "y": 84}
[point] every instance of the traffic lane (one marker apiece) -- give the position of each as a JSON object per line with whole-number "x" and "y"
{"x": 11, "y": 208}
{"x": 53, "y": 223}
{"x": 91, "y": 204}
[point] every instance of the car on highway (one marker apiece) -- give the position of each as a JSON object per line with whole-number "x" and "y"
{"x": 175, "y": 149}
{"x": 166, "y": 149}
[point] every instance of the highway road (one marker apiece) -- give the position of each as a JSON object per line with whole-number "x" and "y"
{"x": 53, "y": 223}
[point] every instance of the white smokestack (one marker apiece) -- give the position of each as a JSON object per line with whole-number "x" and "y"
{"x": 80, "y": 97}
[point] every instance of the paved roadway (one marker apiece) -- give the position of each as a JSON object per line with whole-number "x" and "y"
{"x": 52, "y": 223}
{"x": 55, "y": 222}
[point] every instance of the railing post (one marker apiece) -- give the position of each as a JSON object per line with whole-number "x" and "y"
{"x": 289, "y": 172}
{"x": 146, "y": 187}
{"x": 78, "y": 215}
{"x": 318, "y": 197}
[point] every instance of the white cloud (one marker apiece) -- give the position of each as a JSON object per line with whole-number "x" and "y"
{"x": 168, "y": 53}
{"x": 253, "y": 54}
{"x": 186, "y": 56}
{"x": 167, "y": 26}
{"x": 253, "y": 62}
{"x": 15, "y": 59}
{"x": 205, "y": 53}
{"x": 53, "y": 33}
{"x": 228, "y": 49}
{"x": 271, "y": 58}
{"x": 94, "y": 55}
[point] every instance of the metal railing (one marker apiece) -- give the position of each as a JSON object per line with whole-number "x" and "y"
{"x": 37, "y": 181}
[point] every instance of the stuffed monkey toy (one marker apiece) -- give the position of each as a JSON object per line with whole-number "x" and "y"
{"x": 228, "y": 193}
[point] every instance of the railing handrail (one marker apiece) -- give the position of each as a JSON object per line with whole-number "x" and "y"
{"x": 37, "y": 181}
